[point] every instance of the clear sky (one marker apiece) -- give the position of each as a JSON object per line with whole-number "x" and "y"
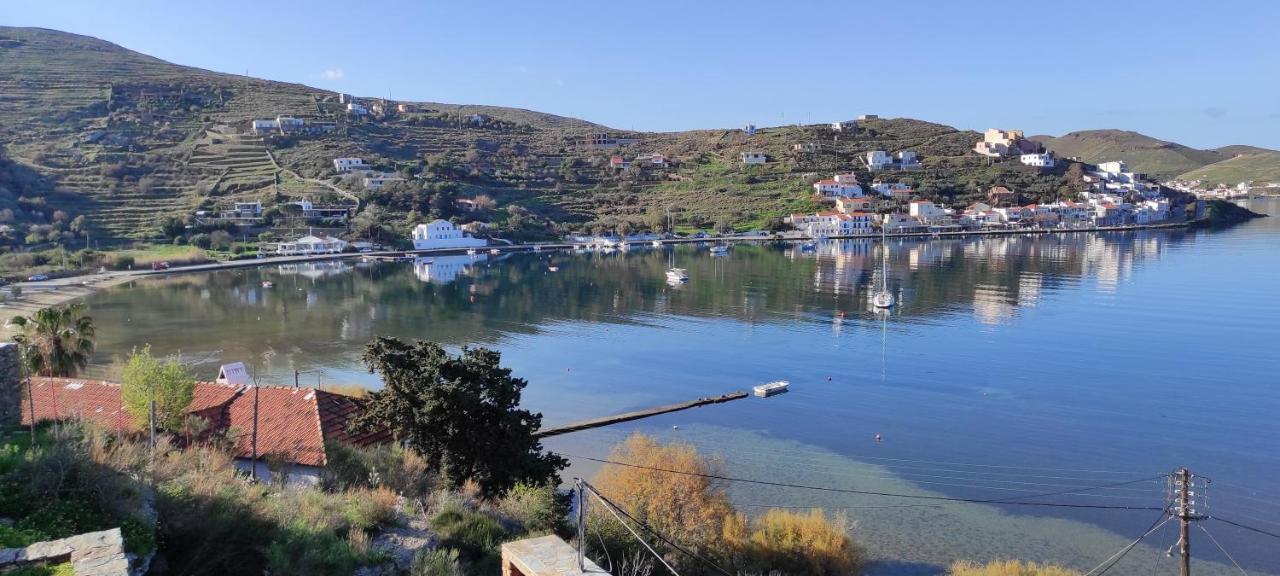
{"x": 1201, "y": 73}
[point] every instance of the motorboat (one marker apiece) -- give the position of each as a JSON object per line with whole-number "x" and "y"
{"x": 268, "y": 284}
{"x": 772, "y": 388}
{"x": 495, "y": 251}
{"x": 656, "y": 243}
{"x": 471, "y": 251}
{"x": 809, "y": 246}
{"x": 677, "y": 275}
{"x": 719, "y": 250}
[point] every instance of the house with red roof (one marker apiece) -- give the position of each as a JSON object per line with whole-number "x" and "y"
{"x": 293, "y": 424}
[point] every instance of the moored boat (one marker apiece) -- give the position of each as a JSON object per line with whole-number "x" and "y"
{"x": 772, "y": 388}
{"x": 677, "y": 275}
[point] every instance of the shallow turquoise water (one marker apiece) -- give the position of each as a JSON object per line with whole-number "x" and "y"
{"x": 1013, "y": 366}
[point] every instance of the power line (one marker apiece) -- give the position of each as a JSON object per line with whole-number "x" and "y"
{"x": 657, "y": 534}
{"x": 1249, "y": 528}
{"x": 1120, "y": 554}
{"x": 1009, "y": 501}
{"x": 1221, "y": 549}
{"x": 609, "y": 506}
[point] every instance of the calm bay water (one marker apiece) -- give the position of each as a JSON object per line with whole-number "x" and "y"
{"x": 1014, "y": 366}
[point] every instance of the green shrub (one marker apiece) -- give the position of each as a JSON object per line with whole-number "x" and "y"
{"x": 538, "y": 509}
{"x": 302, "y": 550}
{"x": 11, "y": 537}
{"x": 474, "y": 534}
{"x": 438, "y": 562}
{"x": 64, "y": 569}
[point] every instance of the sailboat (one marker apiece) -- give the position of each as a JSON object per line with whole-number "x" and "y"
{"x": 883, "y": 298}
{"x": 676, "y": 275}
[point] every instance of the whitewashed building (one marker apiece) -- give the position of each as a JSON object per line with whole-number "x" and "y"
{"x": 749, "y": 129}
{"x": 348, "y": 164}
{"x": 377, "y": 181}
{"x": 831, "y": 188}
{"x": 753, "y": 158}
{"x": 878, "y": 160}
{"x": 908, "y": 159}
{"x": 442, "y": 234}
{"x": 310, "y": 244}
{"x": 846, "y": 126}
{"x": 1044, "y": 160}
{"x": 265, "y": 126}
{"x": 357, "y": 109}
{"x": 831, "y": 224}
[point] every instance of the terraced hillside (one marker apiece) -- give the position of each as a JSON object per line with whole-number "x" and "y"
{"x": 1143, "y": 153}
{"x": 1260, "y": 166}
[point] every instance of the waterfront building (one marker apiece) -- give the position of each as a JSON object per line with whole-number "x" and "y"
{"x": 310, "y": 245}
{"x": 442, "y": 234}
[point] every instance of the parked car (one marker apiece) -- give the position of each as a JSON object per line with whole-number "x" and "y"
{"x": 160, "y": 266}
{"x": 38, "y": 278}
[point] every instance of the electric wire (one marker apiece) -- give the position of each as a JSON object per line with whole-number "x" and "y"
{"x": 1246, "y": 527}
{"x": 656, "y": 533}
{"x": 1102, "y": 568}
{"x": 642, "y": 541}
{"x": 1009, "y": 501}
{"x": 1221, "y": 549}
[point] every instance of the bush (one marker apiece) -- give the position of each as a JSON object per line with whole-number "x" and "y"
{"x": 302, "y": 550}
{"x": 438, "y": 562}
{"x": 794, "y": 543}
{"x": 539, "y": 509}
{"x": 200, "y": 241}
{"x": 367, "y": 509}
{"x": 475, "y": 534}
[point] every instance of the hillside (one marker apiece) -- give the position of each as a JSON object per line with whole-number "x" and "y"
{"x": 1158, "y": 158}
{"x": 128, "y": 142}
{"x": 1261, "y": 165}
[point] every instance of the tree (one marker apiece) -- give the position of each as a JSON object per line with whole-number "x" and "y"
{"x": 166, "y": 382}
{"x": 56, "y": 341}
{"x": 172, "y": 227}
{"x": 460, "y": 412}
{"x": 220, "y": 240}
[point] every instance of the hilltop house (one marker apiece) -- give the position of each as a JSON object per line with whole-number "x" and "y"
{"x": 804, "y": 147}
{"x": 241, "y": 213}
{"x": 293, "y": 424}
{"x": 996, "y": 143}
{"x": 603, "y": 140}
{"x": 878, "y": 160}
{"x": 357, "y": 109}
{"x": 753, "y": 158}
{"x": 831, "y": 188}
{"x": 846, "y": 126}
{"x": 849, "y": 205}
{"x": 377, "y": 181}
{"x": 887, "y": 189}
{"x": 868, "y": 116}
{"x": 265, "y": 126}
{"x": 617, "y": 163}
{"x": 749, "y": 129}
{"x": 907, "y": 159}
{"x": 1000, "y": 194}
{"x": 442, "y": 234}
{"x": 1043, "y": 160}
{"x": 310, "y": 211}
{"x": 290, "y": 124}
{"x": 349, "y": 164}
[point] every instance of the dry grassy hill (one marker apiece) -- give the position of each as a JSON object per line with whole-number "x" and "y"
{"x": 1143, "y": 153}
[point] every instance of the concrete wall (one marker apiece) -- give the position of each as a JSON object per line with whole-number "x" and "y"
{"x": 10, "y": 387}
{"x": 90, "y": 554}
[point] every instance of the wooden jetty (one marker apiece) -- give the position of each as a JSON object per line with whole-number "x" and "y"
{"x": 636, "y": 415}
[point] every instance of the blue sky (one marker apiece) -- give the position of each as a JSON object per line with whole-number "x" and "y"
{"x": 1204, "y": 74}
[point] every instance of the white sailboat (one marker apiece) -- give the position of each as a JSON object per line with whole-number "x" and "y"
{"x": 676, "y": 275}
{"x": 883, "y": 298}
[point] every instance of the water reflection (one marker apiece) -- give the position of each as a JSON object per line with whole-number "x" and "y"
{"x": 445, "y": 269}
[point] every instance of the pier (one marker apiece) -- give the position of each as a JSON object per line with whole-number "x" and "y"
{"x": 636, "y": 415}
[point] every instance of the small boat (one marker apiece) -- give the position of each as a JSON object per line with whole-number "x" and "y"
{"x": 719, "y": 250}
{"x": 495, "y": 251}
{"x": 553, "y": 268}
{"x": 537, "y": 248}
{"x": 471, "y": 251}
{"x": 677, "y": 275}
{"x": 809, "y": 246}
{"x": 883, "y": 298}
{"x": 268, "y": 284}
{"x": 656, "y": 243}
{"x": 775, "y": 387}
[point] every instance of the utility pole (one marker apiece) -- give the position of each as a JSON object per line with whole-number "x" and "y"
{"x": 582, "y": 523}
{"x": 1186, "y": 513}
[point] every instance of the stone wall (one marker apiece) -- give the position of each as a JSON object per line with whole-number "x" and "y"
{"x": 10, "y": 387}
{"x": 90, "y": 554}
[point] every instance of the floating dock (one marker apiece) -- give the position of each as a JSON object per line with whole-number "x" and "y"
{"x": 636, "y": 415}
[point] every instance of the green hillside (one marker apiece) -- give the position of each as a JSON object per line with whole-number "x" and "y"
{"x": 1143, "y": 153}
{"x": 126, "y": 141}
{"x": 1263, "y": 166}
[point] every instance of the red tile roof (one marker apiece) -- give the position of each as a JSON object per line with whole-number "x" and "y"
{"x": 293, "y": 423}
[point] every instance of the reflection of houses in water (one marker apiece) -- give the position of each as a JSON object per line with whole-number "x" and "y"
{"x": 1029, "y": 284}
{"x": 840, "y": 265}
{"x": 444, "y": 269}
{"x": 992, "y": 304}
{"x": 926, "y": 254}
{"x": 314, "y": 270}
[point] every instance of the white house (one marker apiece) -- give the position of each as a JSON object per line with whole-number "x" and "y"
{"x": 829, "y": 224}
{"x": 834, "y": 189}
{"x": 377, "y": 181}
{"x": 1114, "y": 167}
{"x": 357, "y": 109}
{"x": 348, "y": 164}
{"x": 310, "y": 244}
{"x": 1038, "y": 160}
{"x": 868, "y": 116}
{"x": 899, "y": 222}
{"x": 264, "y": 126}
{"x": 850, "y": 205}
{"x": 750, "y": 158}
{"x": 288, "y": 123}
{"x": 878, "y": 160}
{"x": 926, "y": 210}
{"x": 442, "y": 234}
{"x": 908, "y": 159}
{"x": 749, "y": 129}
{"x": 887, "y": 189}
{"x": 846, "y": 126}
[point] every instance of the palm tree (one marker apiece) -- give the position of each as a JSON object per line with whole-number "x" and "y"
{"x": 56, "y": 341}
